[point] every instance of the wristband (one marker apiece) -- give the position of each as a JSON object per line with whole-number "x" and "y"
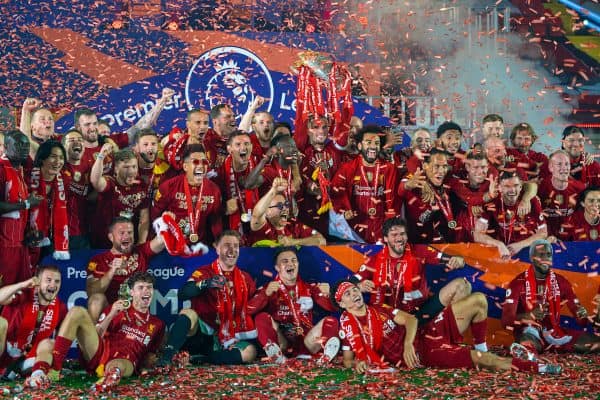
{"x": 100, "y": 156}
{"x": 27, "y": 204}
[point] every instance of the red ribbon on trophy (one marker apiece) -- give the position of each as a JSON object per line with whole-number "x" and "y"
{"x": 317, "y": 72}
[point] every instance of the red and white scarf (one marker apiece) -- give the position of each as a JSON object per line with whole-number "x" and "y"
{"x": 551, "y": 295}
{"x": 15, "y": 189}
{"x": 51, "y": 213}
{"x": 174, "y": 148}
{"x": 364, "y": 342}
{"x": 30, "y": 332}
{"x": 247, "y": 198}
{"x": 384, "y": 275}
{"x": 232, "y": 309}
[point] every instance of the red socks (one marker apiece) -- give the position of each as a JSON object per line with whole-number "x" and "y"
{"x": 61, "y": 348}
{"x": 264, "y": 326}
{"x": 331, "y": 328}
{"x": 42, "y": 366}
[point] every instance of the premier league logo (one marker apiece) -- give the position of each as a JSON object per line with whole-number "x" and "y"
{"x": 229, "y": 75}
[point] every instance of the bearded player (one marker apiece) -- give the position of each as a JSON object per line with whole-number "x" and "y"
{"x": 32, "y": 312}
{"x": 284, "y": 314}
{"x": 532, "y": 308}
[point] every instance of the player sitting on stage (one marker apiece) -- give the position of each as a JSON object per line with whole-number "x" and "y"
{"x": 284, "y": 314}
{"x": 124, "y": 340}
{"x": 375, "y": 339}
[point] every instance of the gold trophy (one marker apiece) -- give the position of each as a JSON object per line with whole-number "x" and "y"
{"x": 125, "y": 295}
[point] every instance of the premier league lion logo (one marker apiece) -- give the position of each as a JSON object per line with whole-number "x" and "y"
{"x": 229, "y": 75}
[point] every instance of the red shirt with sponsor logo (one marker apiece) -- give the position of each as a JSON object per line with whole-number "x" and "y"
{"x": 506, "y": 225}
{"x": 131, "y": 335}
{"x": 558, "y": 204}
{"x": 138, "y": 260}
{"x": 278, "y": 304}
{"x": 369, "y": 191}
{"x": 13, "y": 224}
{"x": 205, "y": 304}
{"x": 171, "y": 197}
{"x": 117, "y": 200}
{"x": 77, "y": 204}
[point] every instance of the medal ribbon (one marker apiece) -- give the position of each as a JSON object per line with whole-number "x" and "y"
{"x": 193, "y": 212}
{"x": 374, "y": 189}
{"x": 444, "y": 205}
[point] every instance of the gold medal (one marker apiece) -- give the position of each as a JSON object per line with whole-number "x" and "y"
{"x": 246, "y": 216}
{"x": 372, "y": 211}
{"x": 452, "y": 224}
{"x": 593, "y": 234}
{"x": 194, "y": 237}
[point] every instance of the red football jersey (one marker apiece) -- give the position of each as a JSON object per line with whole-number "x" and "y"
{"x": 138, "y": 260}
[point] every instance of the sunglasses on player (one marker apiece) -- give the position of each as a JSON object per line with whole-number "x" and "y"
{"x": 281, "y": 205}
{"x": 198, "y": 161}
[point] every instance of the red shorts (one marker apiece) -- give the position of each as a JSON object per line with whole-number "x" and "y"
{"x": 15, "y": 266}
{"x": 104, "y": 354}
{"x": 439, "y": 345}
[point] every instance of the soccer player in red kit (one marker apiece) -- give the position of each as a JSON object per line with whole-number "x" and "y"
{"x": 107, "y": 271}
{"x": 125, "y": 339}
{"x": 395, "y": 276}
{"x": 364, "y": 189}
{"x": 48, "y": 222}
{"x": 322, "y": 158}
{"x": 286, "y": 165}
{"x": 583, "y": 168}
{"x": 122, "y": 195}
{"x": 510, "y": 232}
{"x": 378, "y": 339}
{"x": 78, "y": 188}
{"x": 219, "y": 316}
{"x": 469, "y": 195}
{"x": 153, "y": 170}
{"x": 558, "y": 193}
{"x": 15, "y": 203}
{"x": 215, "y": 139}
{"x": 532, "y": 307}
{"x": 283, "y": 312}
{"x": 584, "y": 224}
{"x": 432, "y": 218}
{"x": 239, "y": 178}
{"x": 449, "y": 138}
{"x": 32, "y": 313}
{"x": 522, "y": 138}
{"x": 193, "y": 199}
{"x": 260, "y": 126}
{"x": 271, "y": 221}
